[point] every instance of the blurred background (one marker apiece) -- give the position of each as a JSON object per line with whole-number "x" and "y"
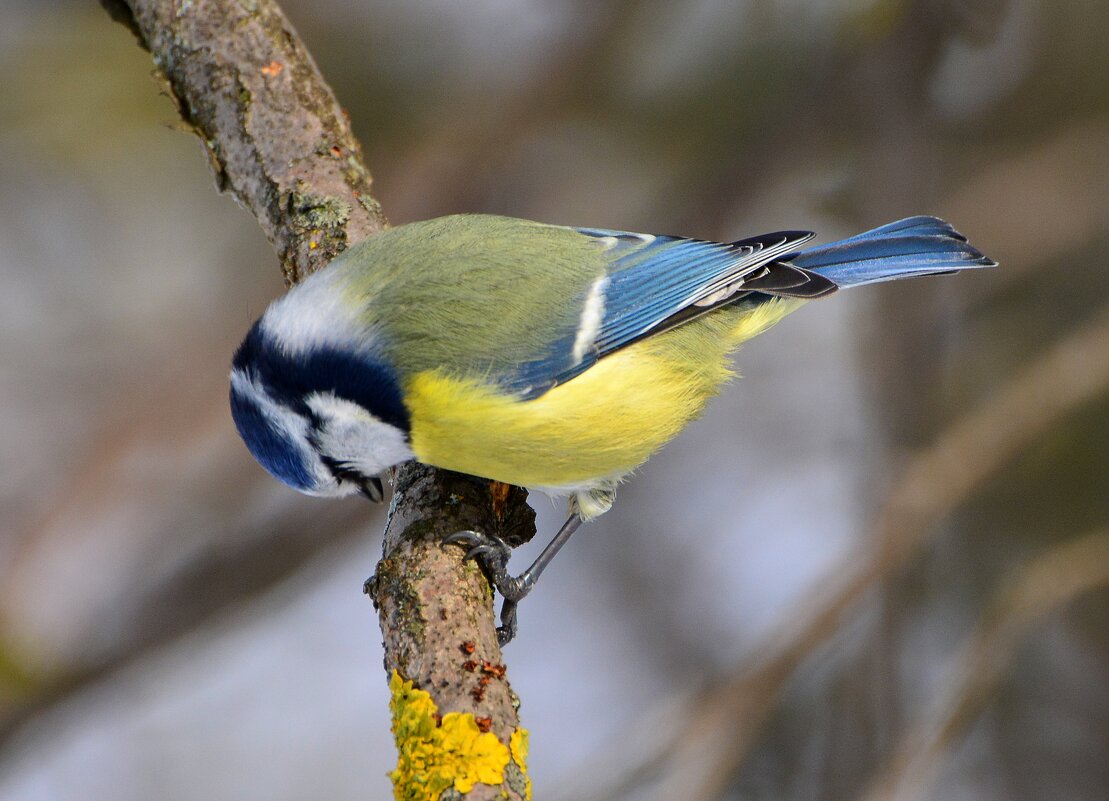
{"x": 875, "y": 569}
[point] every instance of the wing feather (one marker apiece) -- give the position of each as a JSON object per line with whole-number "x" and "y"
{"x": 655, "y": 282}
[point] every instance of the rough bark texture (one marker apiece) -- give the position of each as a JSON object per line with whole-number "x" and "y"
{"x": 436, "y": 611}
{"x": 276, "y": 136}
{"x": 278, "y": 140}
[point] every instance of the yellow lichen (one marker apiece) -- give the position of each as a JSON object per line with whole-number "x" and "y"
{"x": 437, "y": 754}
{"x": 518, "y": 745}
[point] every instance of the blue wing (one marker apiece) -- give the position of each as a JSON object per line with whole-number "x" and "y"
{"x": 655, "y": 282}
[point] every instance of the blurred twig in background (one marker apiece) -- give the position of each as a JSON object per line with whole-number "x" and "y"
{"x": 1038, "y": 589}
{"x": 699, "y": 753}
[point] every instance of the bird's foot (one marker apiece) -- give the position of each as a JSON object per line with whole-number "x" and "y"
{"x": 493, "y": 553}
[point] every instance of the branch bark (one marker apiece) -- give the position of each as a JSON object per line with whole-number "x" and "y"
{"x": 277, "y": 139}
{"x": 275, "y": 135}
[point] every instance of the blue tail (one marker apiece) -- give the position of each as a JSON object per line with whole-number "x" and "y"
{"x": 913, "y": 246}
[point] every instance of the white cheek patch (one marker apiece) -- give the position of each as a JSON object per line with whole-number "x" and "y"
{"x": 351, "y": 435}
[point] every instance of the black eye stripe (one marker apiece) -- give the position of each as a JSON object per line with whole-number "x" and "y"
{"x": 315, "y": 427}
{"x": 356, "y": 377}
{"x": 343, "y": 471}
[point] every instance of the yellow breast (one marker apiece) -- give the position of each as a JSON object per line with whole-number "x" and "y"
{"x": 598, "y": 426}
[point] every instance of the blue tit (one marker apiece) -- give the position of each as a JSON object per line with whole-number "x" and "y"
{"x": 549, "y": 357}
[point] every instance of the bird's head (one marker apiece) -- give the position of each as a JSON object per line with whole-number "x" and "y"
{"x": 323, "y": 415}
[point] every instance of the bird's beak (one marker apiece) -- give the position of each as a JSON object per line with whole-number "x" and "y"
{"x": 373, "y": 489}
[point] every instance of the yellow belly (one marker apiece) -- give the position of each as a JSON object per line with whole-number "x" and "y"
{"x": 596, "y": 427}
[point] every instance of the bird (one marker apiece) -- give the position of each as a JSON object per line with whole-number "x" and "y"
{"x": 550, "y": 357}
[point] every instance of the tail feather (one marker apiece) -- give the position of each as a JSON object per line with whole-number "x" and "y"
{"x": 914, "y": 246}
{"x": 921, "y": 224}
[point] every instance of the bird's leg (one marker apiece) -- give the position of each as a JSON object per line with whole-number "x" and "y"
{"x": 493, "y": 553}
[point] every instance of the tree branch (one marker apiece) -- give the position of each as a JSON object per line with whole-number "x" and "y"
{"x": 278, "y": 140}
{"x": 437, "y": 612}
{"x": 274, "y": 133}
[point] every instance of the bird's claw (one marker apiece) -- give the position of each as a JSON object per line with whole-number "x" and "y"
{"x": 506, "y": 632}
{"x": 479, "y": 545}
{"x": 478, "y": 550}
{"x": 493, "y": 554}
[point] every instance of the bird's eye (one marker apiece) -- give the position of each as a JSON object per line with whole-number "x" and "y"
{"x": 369, "y": 486}
{"x": 342, "y": 471}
